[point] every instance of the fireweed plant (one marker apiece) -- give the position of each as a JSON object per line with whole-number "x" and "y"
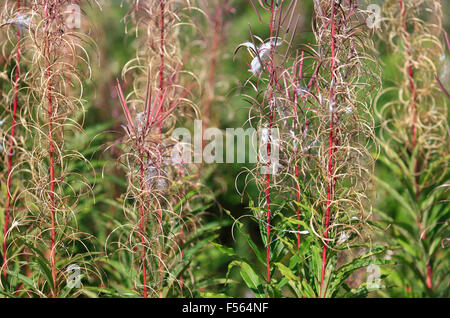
{"x": 314, "y": 205}
{"x": 415, "y": 142}
{"x": 42, "y": 240}
{"x": 161, "y": 204}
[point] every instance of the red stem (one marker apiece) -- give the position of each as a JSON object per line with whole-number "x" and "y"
{"x": 162, "y": 6}
{"x": 272, "y": 81}
{"x": 160, "y": 232}
{"x": 11, "y": 146}
{"x": 162, "y": 93}
{"x": 212, "y": 70}
{"x": 429, "y": 277}
{"x": 331, "y": 143}
{"x": 413, "y": 91}
{"x": 51, "y": 152}
{"x": 297, "y": 187}
{"x": 162, "y": 39}
{"x": 141, "y": 226}
{"x": 180, "y": 175}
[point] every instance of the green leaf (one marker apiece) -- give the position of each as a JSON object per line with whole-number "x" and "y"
{"x": 255, "y": 249}
{"x": 250, "y": 277}
{"x": 252, "y": 280}
{"x": 225, "y": 250}
{"x": 397, "y": 196}
{"x": 365, "y": 260}
{"x": 286, "y": 272}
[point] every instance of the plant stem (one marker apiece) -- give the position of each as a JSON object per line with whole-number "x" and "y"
{"x": 331, "y": 142}
{"x": 429, "y": 280}
{"x": 162, "y": 39}
{"x": 141, "y": 224}
{"x": 297, "y": 173}
{"x": 51, "y": 150}
{"x": 162, "y": 7}
{"x": 181, "y": 195}
{"x": 269, "y": 145}
{"x": 212, "y": 68}
{"x": 413, "y": 91}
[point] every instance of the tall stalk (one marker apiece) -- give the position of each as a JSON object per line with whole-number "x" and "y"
{"x": 271, "y": 106}
{"x": 319, "y": 98}
{"x": 152, "y": 111}
{"x": 50, "y": 144}
{"x": 213, "y": 41}
{"x": 331, "y": 139}
{"x": 269, "y": 144}
{"x": 342, "y": 130}
{"x": 55, "y": 63}
{"x": 414, "y": 139}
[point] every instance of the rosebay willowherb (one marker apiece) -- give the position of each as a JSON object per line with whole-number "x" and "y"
{"x": 414, "y": 136}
